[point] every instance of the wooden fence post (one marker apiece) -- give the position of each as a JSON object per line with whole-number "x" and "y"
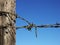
{"x": 7, "y": 22}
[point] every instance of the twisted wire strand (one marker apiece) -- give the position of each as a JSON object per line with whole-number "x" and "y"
{"x": 18, "y": 27}
{"x": 23, "y": 19}
{"x": 41, "y": 26}
{"x": 49, "y": 26}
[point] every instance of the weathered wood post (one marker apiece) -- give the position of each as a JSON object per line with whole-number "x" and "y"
{"x": 7, "y": 22}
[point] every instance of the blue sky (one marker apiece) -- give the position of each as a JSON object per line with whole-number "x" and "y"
{"x": 38, "y": 12}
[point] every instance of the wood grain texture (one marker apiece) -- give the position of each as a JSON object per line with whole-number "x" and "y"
{"x": 7, "y": 24}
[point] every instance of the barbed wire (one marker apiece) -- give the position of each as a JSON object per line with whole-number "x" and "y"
{"x": 40, "y": 26}
{"x": 30, "y": 25}
{"x": 17, "y": 16}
